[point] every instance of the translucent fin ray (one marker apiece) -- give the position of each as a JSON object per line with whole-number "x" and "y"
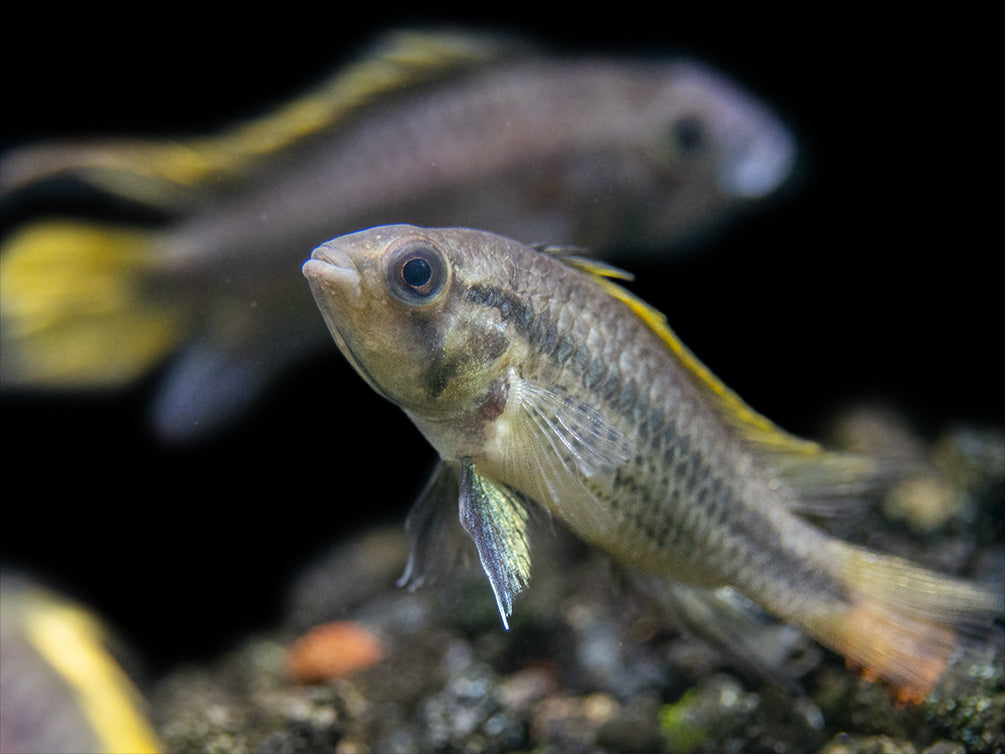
{"x": 497, "y": 522}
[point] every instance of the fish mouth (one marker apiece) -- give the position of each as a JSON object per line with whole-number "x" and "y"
{"x": 333, "y": 271}
{"x": 760, "y": 165}
{"x": 337, "y": 287}
{"x": 760, "y": 158}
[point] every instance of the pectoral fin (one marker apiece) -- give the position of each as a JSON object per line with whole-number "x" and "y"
{"x": 437, "y": 540}
{"x": 497, "y": 523}
{"x": 557, "y": 442}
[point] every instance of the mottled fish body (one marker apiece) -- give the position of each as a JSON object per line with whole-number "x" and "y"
{"x": 436, "y": 129}
{"x": 537, "y": 378}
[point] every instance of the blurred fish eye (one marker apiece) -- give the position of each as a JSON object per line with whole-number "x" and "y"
{"x": 688, "y": 134}
{"x": 416, "y": 271}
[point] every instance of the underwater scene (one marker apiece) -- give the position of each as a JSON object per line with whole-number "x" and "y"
{"x": 460, "y": 382}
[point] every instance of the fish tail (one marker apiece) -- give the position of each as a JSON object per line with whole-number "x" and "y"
{"x": 900, "y": 623}
{"x": 78, "y": 308}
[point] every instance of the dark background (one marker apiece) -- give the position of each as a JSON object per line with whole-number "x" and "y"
{"x": 873, "y": 277}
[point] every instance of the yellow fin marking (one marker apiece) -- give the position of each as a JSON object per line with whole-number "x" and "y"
{"x": 71, "y": 642}
{"x": 755, "y": 427}
{"x": 808, "y": 467}
{"x": 404, "y": 58}
{"x": 73, "y": 312}
{"x": 165, "y": 173}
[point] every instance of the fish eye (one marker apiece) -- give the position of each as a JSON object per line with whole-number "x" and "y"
{"x": 416, "y": 271}
{"x": 688, "y": 134}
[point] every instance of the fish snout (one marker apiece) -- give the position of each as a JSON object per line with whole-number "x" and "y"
{"x": 760, "y": 163}
{"x": 332, "y": 271}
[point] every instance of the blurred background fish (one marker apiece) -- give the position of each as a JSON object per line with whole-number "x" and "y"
{"x": 436, "y": 128}
{"x": 61, "y": 689}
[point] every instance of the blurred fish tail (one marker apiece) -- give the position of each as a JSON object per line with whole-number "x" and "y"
{"x": 901, "y": 623}
{"x": 77, "y": 308}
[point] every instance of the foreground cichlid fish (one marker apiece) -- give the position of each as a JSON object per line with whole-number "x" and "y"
{"x": 439, "y": 129}
{"x": 537, "y": 378}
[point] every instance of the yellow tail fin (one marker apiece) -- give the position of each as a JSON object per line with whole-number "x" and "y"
{"x": 75, "y": 309}
{"x": 901, "y": 623}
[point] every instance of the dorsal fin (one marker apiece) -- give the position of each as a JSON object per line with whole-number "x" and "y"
{"x": 168, "y": 173}
{"x": 814, "y": 472}
{"x": 575, "y": 256}
{"x": 754, "y": 427}
{"x": 398, "y": 60}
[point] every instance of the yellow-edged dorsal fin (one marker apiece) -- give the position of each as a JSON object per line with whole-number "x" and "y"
{"x": 400, "y": 59}
{"x": 573, "y": 256}
{"x": 820, "y": 477}
{"x": 755, "y": 428}
{"x": 168, "y": 173}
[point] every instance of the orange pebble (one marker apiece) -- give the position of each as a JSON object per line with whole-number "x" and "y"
{"x": 331, "y": 650}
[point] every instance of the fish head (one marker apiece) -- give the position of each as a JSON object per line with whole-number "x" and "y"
{"x": 394, "y": 298}
{"x": 710, "y": 146}
{"x": 751, "y": 151}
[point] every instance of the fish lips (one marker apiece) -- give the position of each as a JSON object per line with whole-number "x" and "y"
{"x": 338, "y": 290}
{"x": 760, "y": 165}
{"x": 337, "y": 287}
{"x": 332, "y": 273}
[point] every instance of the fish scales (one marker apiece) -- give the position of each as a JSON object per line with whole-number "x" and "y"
{"x": 540, "y": 381}
{"x": 476, "y": 129}
{"x": 703, "y": 465}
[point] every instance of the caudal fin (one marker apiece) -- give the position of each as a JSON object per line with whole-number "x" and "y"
{"x": 77, "y": 309}
{"x": 901, "y": 623}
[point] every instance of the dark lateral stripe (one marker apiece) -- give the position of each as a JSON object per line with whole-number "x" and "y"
{"x": 510, "y": 307}
{"x": 603, "y": 379}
